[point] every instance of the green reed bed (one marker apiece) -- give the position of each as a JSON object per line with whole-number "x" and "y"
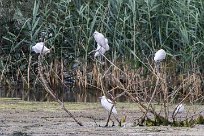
{"x": 135, "y": 30}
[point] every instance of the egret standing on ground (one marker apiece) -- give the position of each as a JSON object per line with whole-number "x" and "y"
{"x": 109, "y": 106}
{"x": 40, "y": 48}
{"x": 159, "y": 56}
{"x": 179, "y": 109}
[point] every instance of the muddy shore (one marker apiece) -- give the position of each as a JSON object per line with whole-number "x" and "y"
{"x": 19, "y": 118}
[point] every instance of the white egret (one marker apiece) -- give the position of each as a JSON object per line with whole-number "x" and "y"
{"x": 107, "y": 104}
{"x": 101, "y": 40}
{"x": 107, "y": 46}
{"x": 40, "y": 48}
{"x": 179, "y": 109}
{"x": 159, "y": 56}
{"x": 102, "y": 45}
{"x": 99, "y": 51}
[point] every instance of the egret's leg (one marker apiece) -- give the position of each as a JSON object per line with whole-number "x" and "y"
{"x": 119, "y": 122}
{"x": 109, "y": 114}
{"x": 101, "y": 60}
{"x": 113, "y": 123}
{"x": 102, "y": 63}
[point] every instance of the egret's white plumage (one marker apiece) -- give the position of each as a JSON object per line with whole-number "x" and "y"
{"x": 107, "y": 46}
{"x": 99, "y": 51}
{"x": 101, "y": 40}
{"x": 98, "y": 47}
{"x": 40, "y": 48}
{"x": 179, "y": 109}
{"x": 159, "y": 55}
{"x": 102, "y": 44}
{"x": 107, "y": 104}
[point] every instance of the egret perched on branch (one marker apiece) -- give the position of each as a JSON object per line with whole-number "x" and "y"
{"x": 101, "y": 40}
{"x": 102, "y": 44}
{"x": 99, "y": 51}
{"x": 40, "y": 48}
{"x": 159, "y": 56}
{"x": 107, "y": 46}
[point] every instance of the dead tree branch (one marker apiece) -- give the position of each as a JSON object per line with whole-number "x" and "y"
{"x": 51, "y": 92}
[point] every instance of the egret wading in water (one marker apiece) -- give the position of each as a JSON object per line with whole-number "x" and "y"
{"x": 159, "y": 56}
{"x": 102, "y": 44}
{"x": 109, "y": 106}
{"x": 40, "y": 48}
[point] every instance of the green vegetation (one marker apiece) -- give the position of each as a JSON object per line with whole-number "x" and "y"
{"x": 8, "y": 104}
{"x": 16, "y": 104}
{"x": 135, "y": 29}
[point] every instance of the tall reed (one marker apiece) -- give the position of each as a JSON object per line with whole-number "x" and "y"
{"x": 135, "y": 30}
